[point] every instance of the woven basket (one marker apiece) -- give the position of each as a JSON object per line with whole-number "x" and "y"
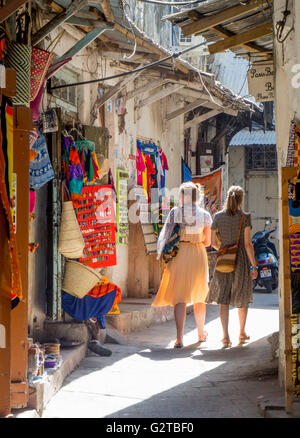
{"x": 70, "y": 242}
{"x": 79, "y": 279}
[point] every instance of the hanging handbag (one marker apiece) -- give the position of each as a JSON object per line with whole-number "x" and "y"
{"x": 40, "y": 168}
{"x": 19, "y": 58}
{"x": 172, "y": 246}
{"x": 226, "y": 257}
{"x": 70, "y": 241}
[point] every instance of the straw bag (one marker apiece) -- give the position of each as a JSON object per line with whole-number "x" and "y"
{"x": 19, "y": 58}
{"x": 226, "y": 257}
{"x": 79, "y": 279}
{"x": 70, "y": 240}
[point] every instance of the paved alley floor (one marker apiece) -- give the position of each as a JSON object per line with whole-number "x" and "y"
{"x": 147, "y": 378}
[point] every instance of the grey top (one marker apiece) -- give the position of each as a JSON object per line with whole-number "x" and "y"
{"x": 234, "y": 288}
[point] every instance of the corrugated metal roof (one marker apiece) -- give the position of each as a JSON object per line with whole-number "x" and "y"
{"x": 256, "y": 137}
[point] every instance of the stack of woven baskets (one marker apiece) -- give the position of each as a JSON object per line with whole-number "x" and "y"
{"x": 79, "y": 279}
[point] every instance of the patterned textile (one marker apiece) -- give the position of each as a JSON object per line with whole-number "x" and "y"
{"x": 3, "y": 41}
{"x": 295, "y": 320}
{"x": 104, "y": 287}
{"x": 234, "y": 288}
{"x": 19, "y": 58}
{"x": 212, "y": 184}
{"x": 297, "y": 147}
{"x": 40, "y": 169}
{"x": 295, "y": 252}
{"x": 290, "y": 154}
{"x": 40, "y": 62}
{"x": 16, "y": 285}
{"x": 172, "y": 246}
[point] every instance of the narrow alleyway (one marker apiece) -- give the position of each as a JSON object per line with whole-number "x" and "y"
{"x": 147, "y": 378}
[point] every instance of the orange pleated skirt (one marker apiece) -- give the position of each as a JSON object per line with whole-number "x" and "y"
{"x": 185, "y": 278}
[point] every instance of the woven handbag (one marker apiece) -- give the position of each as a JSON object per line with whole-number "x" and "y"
{"x": 79, "y": 279}
{"x": 19, "y": 58}
{"x": 70, "y": 241}
{"x": 226, "y": 257}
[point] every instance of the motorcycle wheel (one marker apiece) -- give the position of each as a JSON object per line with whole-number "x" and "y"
{"x": 269, "y": 289}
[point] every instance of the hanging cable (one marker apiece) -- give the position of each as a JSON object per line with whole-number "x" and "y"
{"x": 153, "y": 64}
{"x": 280, "y": 25}
{"x": 131, "y": 28}
{"x": 158, "y": 2}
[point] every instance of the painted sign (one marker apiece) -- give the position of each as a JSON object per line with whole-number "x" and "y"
{"x": 122, "y": 206}
{"x": 261, "y": 81}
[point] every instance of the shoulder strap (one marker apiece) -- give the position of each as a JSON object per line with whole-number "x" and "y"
{"x": 241, "y": 224}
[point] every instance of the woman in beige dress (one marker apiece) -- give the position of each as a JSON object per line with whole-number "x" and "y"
{"x": 185, "y": 279}
{"x": 233, "y": 288}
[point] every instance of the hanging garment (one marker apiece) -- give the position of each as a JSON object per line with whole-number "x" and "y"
{"x": 150, "y": 173}
{"x": 88, "y": 307}
{"x": 40, "y": 169}
{"x": 140, "y": 167}
{"x": 7, "y": 142}
{"x": 10, "y": 260}
{"x": 165, "y": 167}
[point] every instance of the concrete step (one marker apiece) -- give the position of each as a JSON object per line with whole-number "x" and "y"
{"x": 42, "y": 391}
{"x": 137, "y": 314}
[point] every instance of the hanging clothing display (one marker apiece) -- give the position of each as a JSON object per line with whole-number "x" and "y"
{"x": 80, "y": 164}
{"x": 151, "y": 166}
{"x": 40, "y": 169}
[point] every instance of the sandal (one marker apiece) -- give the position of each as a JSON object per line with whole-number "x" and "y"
{"x": 243, "y": 339}
{"x": 226, "y": 343}
{"x": 204, "y": 339}
{"x": 180, "y": 345}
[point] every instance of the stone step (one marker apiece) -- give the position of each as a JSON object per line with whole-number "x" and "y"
{"x": 137, "y": 314}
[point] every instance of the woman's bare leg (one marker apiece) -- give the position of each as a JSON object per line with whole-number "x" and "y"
{"x": 180, "y": 315}
{"x": 243, "y": 311}
{"x": 224, "y": 316}
{"x": 199, "y": 314}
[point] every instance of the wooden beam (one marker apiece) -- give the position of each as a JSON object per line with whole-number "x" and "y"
{"x": 250, "y": 47}
{"x": 164, "y": 92}
{"x": 244, "y": 37}
{"x": 149, "y": 46}
{"x": 143, "y": 89}
{"x": 222, "y": 32}
{"x": 108, "y": 11}
{"x": 53, "y": 24}
{"x": 10, "y": 8}
{"x": 185, "y": 109}
{"x": 200, "y": 119}
{"x": 229, "y": 14}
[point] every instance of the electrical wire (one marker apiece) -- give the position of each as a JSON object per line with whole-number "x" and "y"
{"x": 153, "y": 64}
{"x": 158, "y": 2}
{"x": 131, "y": 28}
{"x": 280, "y": 25}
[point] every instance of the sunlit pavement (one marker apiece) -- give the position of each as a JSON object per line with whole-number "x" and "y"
{"x": 147, "y": 378}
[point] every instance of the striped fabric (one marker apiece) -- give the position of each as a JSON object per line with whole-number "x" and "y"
{"x": 19, "y": 59}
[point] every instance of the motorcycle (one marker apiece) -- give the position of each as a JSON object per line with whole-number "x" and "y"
{"x": 267, "y": 260}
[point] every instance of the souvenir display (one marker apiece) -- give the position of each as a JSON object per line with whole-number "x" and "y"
{"x": 96, "y": 218}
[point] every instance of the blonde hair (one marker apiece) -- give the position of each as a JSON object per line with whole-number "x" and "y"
{"x": 195, "y": 191}
{"x": 233, "y": 203}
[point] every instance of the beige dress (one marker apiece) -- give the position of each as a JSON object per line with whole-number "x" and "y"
{"x": 185, "y": 279}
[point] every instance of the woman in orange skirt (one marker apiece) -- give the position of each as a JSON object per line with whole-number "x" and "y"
{"x": 185, "y": 279}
